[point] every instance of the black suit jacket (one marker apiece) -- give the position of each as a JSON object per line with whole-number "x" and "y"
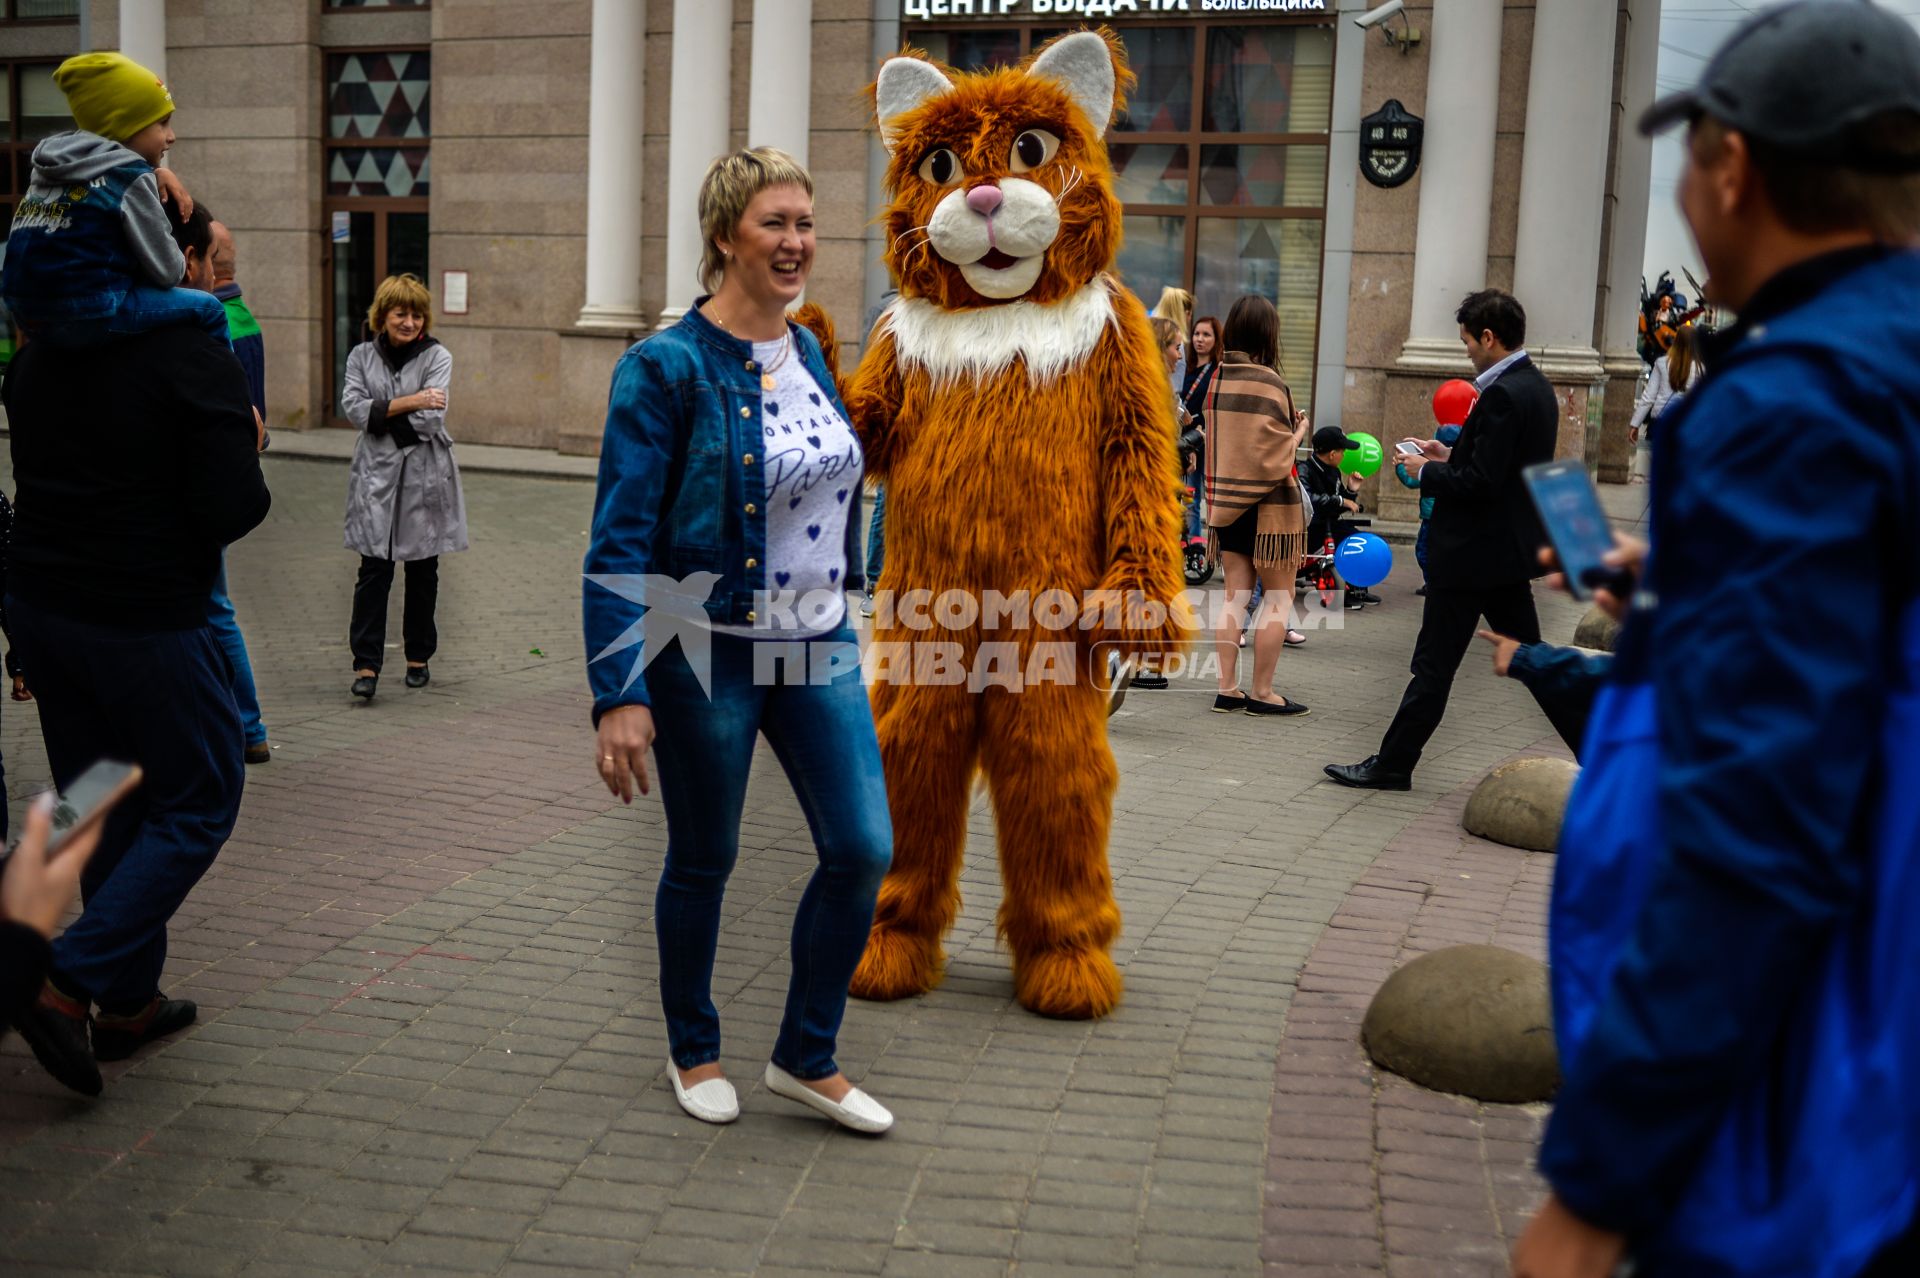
{"x": 1484, "y": 531}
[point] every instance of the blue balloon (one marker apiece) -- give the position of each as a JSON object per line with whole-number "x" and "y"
{"x": 1363, "y": 560}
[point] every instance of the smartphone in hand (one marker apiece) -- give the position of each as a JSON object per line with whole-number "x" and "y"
{"x": 1407, "y": 447}
{"x": 88, "y": 800}
{"x": 1575, "y": 524}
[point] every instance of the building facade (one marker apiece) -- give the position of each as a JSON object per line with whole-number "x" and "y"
{"x": 536, "y": 163}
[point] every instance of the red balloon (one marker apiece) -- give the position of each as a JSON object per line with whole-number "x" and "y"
{"x": 1453, "y": 401}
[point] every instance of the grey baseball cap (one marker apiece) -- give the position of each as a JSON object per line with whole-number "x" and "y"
{"x": 1798, "y": 76}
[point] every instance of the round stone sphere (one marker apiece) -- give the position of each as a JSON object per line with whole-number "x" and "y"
{"x": 1470, "y": 1019}
{"x": 1596, "y": 630}
{"x": 1521, "y": 803}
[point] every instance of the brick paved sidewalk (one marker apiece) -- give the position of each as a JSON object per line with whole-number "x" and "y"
{"x": 1368, "y": 1173}
{"x": 430, "y": 1038}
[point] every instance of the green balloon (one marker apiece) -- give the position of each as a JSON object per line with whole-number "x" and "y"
{"x": 1364, "y": 460}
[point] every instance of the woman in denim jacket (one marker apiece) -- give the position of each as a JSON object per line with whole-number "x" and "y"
{"x": 729, "y": 478}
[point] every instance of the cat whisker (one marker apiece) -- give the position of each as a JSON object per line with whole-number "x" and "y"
{"x": 911, "y": 230}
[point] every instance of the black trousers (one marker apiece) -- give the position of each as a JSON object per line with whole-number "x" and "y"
{"x": 1446, "y": 632}
{"x": 368, "y": 633}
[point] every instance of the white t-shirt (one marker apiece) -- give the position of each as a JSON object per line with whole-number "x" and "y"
{"x": 812, "y": 465}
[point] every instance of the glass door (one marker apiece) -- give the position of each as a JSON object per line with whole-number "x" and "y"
{"x": 379, "y": 243}
{"x": 378, "y": 157}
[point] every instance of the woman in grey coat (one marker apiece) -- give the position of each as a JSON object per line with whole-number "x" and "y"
{"x": 403, "y": 492}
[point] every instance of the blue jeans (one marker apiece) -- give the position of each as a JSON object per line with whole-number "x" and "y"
{"x": 822, "y": 733}
{"x": 162, "y": 699}
{"x": 226, "y": 630}
{"x": 1196, "y": 519}
{"x": 877, "y": 538}
{"x": 144, "y": 309}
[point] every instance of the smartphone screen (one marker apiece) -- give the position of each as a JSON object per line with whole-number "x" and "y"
{"x": 1576, "y": 525}
{"x": 91, "y": 790}
{"x": 1407, "y": 447}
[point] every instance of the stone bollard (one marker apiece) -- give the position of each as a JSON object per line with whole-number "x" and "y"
{"x": 1596, "y": 630}
{"x": 1520, "y": 803}
{"x": 1471, "y": 1019}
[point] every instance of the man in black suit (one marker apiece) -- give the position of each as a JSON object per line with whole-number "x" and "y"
{"x": 1484, "y": 539}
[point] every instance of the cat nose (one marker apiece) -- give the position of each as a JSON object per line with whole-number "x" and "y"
{"x": 984, "y": 199}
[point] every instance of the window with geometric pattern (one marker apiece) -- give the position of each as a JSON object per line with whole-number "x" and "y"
{"x": 379, "y": 121}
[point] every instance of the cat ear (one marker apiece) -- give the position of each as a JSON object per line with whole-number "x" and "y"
{"x": 1083, "y": 64}
{"x": 904, "y": 84}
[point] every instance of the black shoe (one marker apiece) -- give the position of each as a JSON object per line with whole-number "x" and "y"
{"x": 1369, "y": 775}
{"x": 364, "y": 686}
{"x": 1228, "y": 702}
{"x": 1150, "y": 681}
{"x": 1353, "y": 602}
{"x": 1366, "y": 596}
{"x": 259, "y": 752}
{"x": 418, "y": 676}
{"x": 1421, "y": 593}
{"x": 1268, "y": 707}
{"x": 117, "y": 1037}
{"x": 57, "y": 1033}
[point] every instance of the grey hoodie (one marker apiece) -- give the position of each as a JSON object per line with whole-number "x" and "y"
{"x": 79, "y": 156}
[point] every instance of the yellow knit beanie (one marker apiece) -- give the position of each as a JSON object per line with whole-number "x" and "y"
{"x": 112, "y": 95}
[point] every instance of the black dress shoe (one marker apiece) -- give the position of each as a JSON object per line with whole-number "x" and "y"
{"x": 1421, "y": 593}
{"x": 58, "y": 1037}
{"x": 117, "y": 1037}
{"x": 1369, "y": 775}
{"x": 364, "y": 686}
{"x": 1270, "y": 707}
{"x": 418, "y": 676}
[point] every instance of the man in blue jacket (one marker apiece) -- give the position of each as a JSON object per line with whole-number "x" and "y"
{"x": 1736, "y": 970}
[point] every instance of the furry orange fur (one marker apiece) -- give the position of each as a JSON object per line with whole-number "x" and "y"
{"x": 998, "y": 481}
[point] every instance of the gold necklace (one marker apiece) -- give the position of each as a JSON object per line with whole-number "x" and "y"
{"x": 766, "y": 370}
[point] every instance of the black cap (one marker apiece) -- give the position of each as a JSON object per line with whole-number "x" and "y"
{"x": 1800, "y": 75}
{"x": 1328, "y": 438}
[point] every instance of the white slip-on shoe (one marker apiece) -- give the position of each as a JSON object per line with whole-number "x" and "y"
{"x": 857, "y": 1111}
{"x": 713, "y": 1101}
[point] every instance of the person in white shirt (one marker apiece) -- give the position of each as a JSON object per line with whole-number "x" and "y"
{"x": 1672, "y": 376}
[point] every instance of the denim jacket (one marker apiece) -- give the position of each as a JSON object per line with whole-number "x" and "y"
{"x": 681, "y": 489}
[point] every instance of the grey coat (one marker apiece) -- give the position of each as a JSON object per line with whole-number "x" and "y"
{"x": 403, "y": 503}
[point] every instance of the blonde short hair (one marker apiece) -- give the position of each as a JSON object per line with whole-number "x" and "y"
{"x": 731, "y": 182}
{"x": 1166, "y": 331}
{"x": 401, "y": 292}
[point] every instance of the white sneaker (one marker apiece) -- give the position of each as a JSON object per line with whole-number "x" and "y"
{"x": 713, "y": 1101}
{"x": 857, "y": 1110}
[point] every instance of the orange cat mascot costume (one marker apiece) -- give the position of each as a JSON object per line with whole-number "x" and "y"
{"x": 1015, "y": 404}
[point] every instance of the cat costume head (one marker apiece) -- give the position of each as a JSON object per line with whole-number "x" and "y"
{"x": 999, "y": 180}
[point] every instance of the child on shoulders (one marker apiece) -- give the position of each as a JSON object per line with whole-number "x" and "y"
{"x": 91, "y": 254}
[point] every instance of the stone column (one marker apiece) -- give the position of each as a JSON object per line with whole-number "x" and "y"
{"x": 1563, "y": 182}
{"x": 1627, "y": 238}
{"x": 143, "y": 33}
{"x": 702, "y": 79}
{"x": 1454, "y": 219}
{"x": 1456, "y": 184}
{"x": 614, "y": 127}
{"x": 780, "y": 97}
